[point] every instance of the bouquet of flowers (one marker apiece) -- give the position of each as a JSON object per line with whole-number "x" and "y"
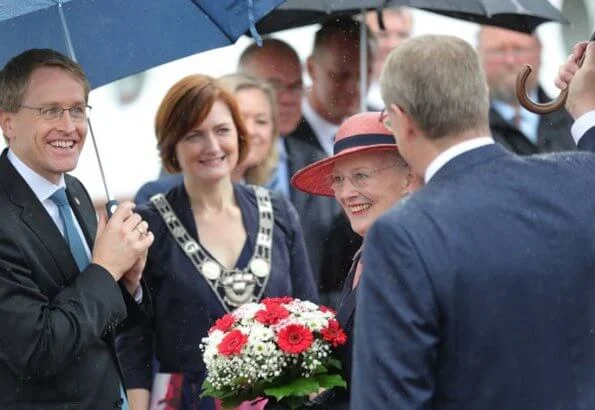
{"x": 280, "y": 348}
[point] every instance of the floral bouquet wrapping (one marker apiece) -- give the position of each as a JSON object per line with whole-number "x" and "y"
{"x": 281, "y": 348}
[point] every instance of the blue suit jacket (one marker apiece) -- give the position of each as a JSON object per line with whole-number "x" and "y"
{"x": 478, "y": 291}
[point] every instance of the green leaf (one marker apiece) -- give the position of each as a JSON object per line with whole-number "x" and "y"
{"x": 294, "y": 402}
{"x": 331, "y": 380}
{"x": 298, "y": 387}
{"x": 332, "y": 362}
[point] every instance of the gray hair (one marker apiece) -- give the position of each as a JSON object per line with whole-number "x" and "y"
{"x": 439, "y": 82}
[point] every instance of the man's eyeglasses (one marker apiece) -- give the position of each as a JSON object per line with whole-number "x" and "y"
{"x": 385, "y": 120}
{"x": 359, "y": 179}
{"x": 54, "y": 112}
{"x": 516, "y": 52}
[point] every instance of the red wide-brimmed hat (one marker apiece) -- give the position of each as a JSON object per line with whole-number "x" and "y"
{"x": 362, "y": 132}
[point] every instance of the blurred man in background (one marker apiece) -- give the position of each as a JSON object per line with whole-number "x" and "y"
{"x": 398, "y": 24}
{"x": 503, "y": 55}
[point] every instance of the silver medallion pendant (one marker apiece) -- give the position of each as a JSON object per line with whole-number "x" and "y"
{"x": 259, "y": 267}
{"x": 239, "y": 287}
{"x": 210, "y": 270}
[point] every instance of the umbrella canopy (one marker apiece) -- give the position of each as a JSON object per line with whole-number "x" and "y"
{"x": 113, "y": 39}
{"x": 519, "y": 15}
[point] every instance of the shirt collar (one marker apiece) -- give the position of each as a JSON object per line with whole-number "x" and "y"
{"x": 41, "y": 187}
{"x": 325, "y": 131}
{"x": 445, "y": 156}
{"x": 582, "y": 124}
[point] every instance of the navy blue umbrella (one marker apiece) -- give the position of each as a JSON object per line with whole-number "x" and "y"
{"x": 113, "y": 39}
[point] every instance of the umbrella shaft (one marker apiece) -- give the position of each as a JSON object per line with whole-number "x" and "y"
{"x": 67, "y": 37}
{"x": 107, "y": 194}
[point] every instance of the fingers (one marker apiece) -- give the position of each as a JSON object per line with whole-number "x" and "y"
{"x": 102, "y": 221}
{"x": 578, "y": 50}
{"x": 567, "y": 71}
{"x": 142, "y": 228}
{"x": 589, "y": 55}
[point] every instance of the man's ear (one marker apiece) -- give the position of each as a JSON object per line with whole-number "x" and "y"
{"x": 407, "y": 125}
{"x": 6, "y": 123}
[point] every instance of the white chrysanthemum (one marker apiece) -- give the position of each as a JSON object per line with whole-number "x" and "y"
{"x": 313, "y": 321}
{"x": 261, "y": 348}
{"x": 260, "y": 333}
{"x": 210, "y": 353}
{"x": 248, "y": 311}
{"x": 215, "y": 337}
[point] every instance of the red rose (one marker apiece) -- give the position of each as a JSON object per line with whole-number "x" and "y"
{"x": 271, "y": 315}
{"x": 277, "y": 301}
{"x": 232, "y": 343}
{"x": 224, "y": 323}
{"x": 325, "y": 309}
{"x": 334, "y": 334}
{"x": 295, "y": 339}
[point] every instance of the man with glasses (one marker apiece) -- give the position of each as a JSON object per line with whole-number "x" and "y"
{"x": 503, "y": 54}
{"x": 65, "y": 282}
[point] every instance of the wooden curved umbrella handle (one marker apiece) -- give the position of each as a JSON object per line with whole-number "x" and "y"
{"x": 541, "y": 108}
{"x": 537, "y": 108}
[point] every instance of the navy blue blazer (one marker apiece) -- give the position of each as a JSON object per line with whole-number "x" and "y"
{"x": 477, "y": 291}
{"x": 184, "y": 306}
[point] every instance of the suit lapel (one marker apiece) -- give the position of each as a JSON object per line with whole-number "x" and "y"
{"x": 348, "y": 298}
{"x": 36, "y": 218}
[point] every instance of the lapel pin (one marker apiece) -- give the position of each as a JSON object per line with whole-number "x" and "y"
{"x": 77, "y": 201}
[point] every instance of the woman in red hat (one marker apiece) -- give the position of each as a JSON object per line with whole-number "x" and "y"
{"x": 367, "y": 176}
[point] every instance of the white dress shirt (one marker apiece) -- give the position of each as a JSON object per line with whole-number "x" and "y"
{"x": 446, "y": 156}
{"x": 43, "y": 190}
{"x": 325, "y": 131}
{"x": 582, "y": 124}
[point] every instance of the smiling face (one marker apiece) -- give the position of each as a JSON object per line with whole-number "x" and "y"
{"x": 257, "y": 114}
{"x": 209, "y": 151}
{"x": 383, "y": 180}
{"x": 48, "y": 147}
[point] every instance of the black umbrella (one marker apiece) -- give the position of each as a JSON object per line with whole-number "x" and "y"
{"x": 518, "y": 15}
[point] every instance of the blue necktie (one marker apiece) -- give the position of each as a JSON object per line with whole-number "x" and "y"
{"x": 77, "y": 248}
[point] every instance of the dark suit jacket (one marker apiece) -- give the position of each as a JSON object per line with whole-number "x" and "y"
{"x": 56, "y": 346}
{"x": 317, "y": 213}
{"x": 553, "y": 132}
{"x": 185, "y": 306}
{"x": 477, "y": 292}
